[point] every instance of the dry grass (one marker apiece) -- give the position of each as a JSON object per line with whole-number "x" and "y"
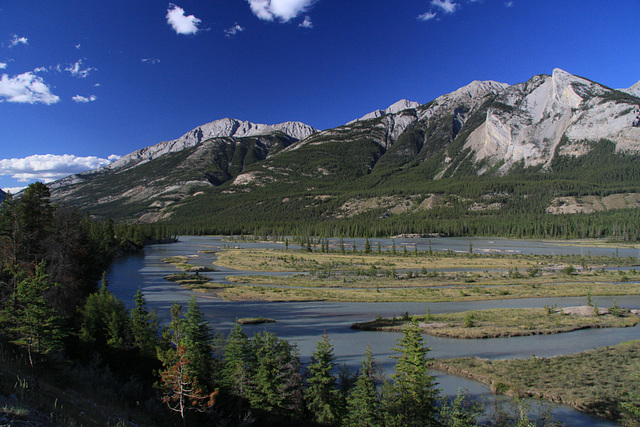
{"x": 595, "y": 381}
{"x": 502, "y": 322}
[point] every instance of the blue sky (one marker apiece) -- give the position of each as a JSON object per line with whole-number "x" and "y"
{"x": 85, "y": 82}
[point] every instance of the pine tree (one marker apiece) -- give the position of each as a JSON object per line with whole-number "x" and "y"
{"x": 275, "y": 390}
{"x": 322, "y": 395}
{"x": 410, "y": 401}
{"x": 363, "y": 403}
{"x": 144, "y": 326}
{"x": 234, "y": 373}
{"x": 181, "y": 391}
{"x": 197, "y": 341}
{"x": 36, "y": 321}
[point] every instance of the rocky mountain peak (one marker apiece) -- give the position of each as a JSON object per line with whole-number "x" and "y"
{"x": 217, "y": 129}
{"x": 394, "y": 108}
{"x": 633, "y": 90}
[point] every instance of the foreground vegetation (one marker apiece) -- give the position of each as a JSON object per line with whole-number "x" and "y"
{"x": 602, "y": 381}
{"x": 505, "y": 322}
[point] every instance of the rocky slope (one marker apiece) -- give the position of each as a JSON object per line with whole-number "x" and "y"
{"x": 484, "y": 128}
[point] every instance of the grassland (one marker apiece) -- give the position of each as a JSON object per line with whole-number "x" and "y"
{"x": 415, "y": 277}
{"x": 503, "y": 322}
{"x": 595, "y": 381}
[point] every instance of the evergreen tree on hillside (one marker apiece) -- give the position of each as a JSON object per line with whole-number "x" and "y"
{"x": 144, "y": 326}
{"x": 275, "y": 391}
{"x": 411, "y": 399}
{"x": 363, "y": 403}
{"x": 197, "y": 341}
{"x": 36, "y": 322}
{"x": 322, "y": 395}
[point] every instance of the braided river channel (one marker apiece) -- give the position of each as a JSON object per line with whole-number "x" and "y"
{"x": 304, "y": 323}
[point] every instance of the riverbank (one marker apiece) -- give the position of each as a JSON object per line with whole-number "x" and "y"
{"x": 596, "y": 381}
{"x": 502, "y": 322}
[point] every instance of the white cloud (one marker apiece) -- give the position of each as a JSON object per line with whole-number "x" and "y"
{"x": 508, "y": 4}
{"x": 447, "y": 6}
{"x": 179, "y": 22}
{"x": 233, "y": 30}
{"x": 76, "y": 71}
{"x": 282, "y": 10}
{"x": 15, "y": 41}
{"x": 26, "y": 88}
{"x": 151, "y": 61}
{"x": 306, "y": 23}
{"x": 3, "y": 65}
{"x": 78, "y": 46}
{"x": 82, "y": 99}
{"x": 50, "y": 167}
{"x": 426, "y": 16}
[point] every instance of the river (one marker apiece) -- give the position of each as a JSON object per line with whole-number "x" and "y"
{"x": 305, "y": 322}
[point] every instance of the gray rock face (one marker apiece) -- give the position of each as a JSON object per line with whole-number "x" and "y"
{"x": 529, "y": 121}
{"x": 216, "y": 129}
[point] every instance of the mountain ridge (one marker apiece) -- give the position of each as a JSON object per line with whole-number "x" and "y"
{"x": 485, "y": 128}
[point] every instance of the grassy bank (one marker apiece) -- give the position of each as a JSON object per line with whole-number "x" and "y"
{"x": 502, "y": 322}
{"x": 262, "y": 288}
{"x": 195, "y": 282}
{"x": 596, "y": 381}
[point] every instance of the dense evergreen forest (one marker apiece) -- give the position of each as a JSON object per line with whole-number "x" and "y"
{"x": 514, "y": 205}
{"x": 61, "y": 333}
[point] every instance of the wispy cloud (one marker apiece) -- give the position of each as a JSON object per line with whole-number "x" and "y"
{"x": 180, "y": 23}
{"x": 152, "y": 61}
{"x": 26, "y": 88}
{"x": 77, "y": 71}
{"x": 50, "y": 167}
{"x": 281, "y": 10}
{"x": 229, "y": 32}
{"x": 82, "y": 99}
{"x": 508, "y": 4}
{"x": 15, "y": 41}
{"x": 427, "y": 16}
{"x": 447, "y": 6}
{"x": 3, "y": 65}
{"x": 306, "y": 23}
{"x": 78, "y": 46}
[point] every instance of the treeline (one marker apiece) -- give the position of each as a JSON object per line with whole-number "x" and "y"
{"x": 622, "y": 225}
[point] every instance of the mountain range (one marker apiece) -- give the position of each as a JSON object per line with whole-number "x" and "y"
{"x": 407, "y": 158}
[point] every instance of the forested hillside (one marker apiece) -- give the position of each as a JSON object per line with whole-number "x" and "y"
{"x": 555, "y": 156}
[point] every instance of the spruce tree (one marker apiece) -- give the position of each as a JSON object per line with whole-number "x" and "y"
{"x": 275, "y": 391}
{"x": 410, "y": 401}
{"x": 144, "y": 326}
{"x": 197, "y": 341}
{"x": 363, "y": 403}
{"x": 322, "y": 395}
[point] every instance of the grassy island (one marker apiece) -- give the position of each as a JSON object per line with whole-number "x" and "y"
{"x": 505, "y": 322}
{"x": 254, "y": 320}
{"x": 595, "y": 381}
{"x": 406, "y": 276}
{"x": 195, "y": 282}
{"x": 180, "y": 262}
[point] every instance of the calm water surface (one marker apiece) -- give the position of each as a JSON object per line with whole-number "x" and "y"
{"x": 305, "y": 322}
